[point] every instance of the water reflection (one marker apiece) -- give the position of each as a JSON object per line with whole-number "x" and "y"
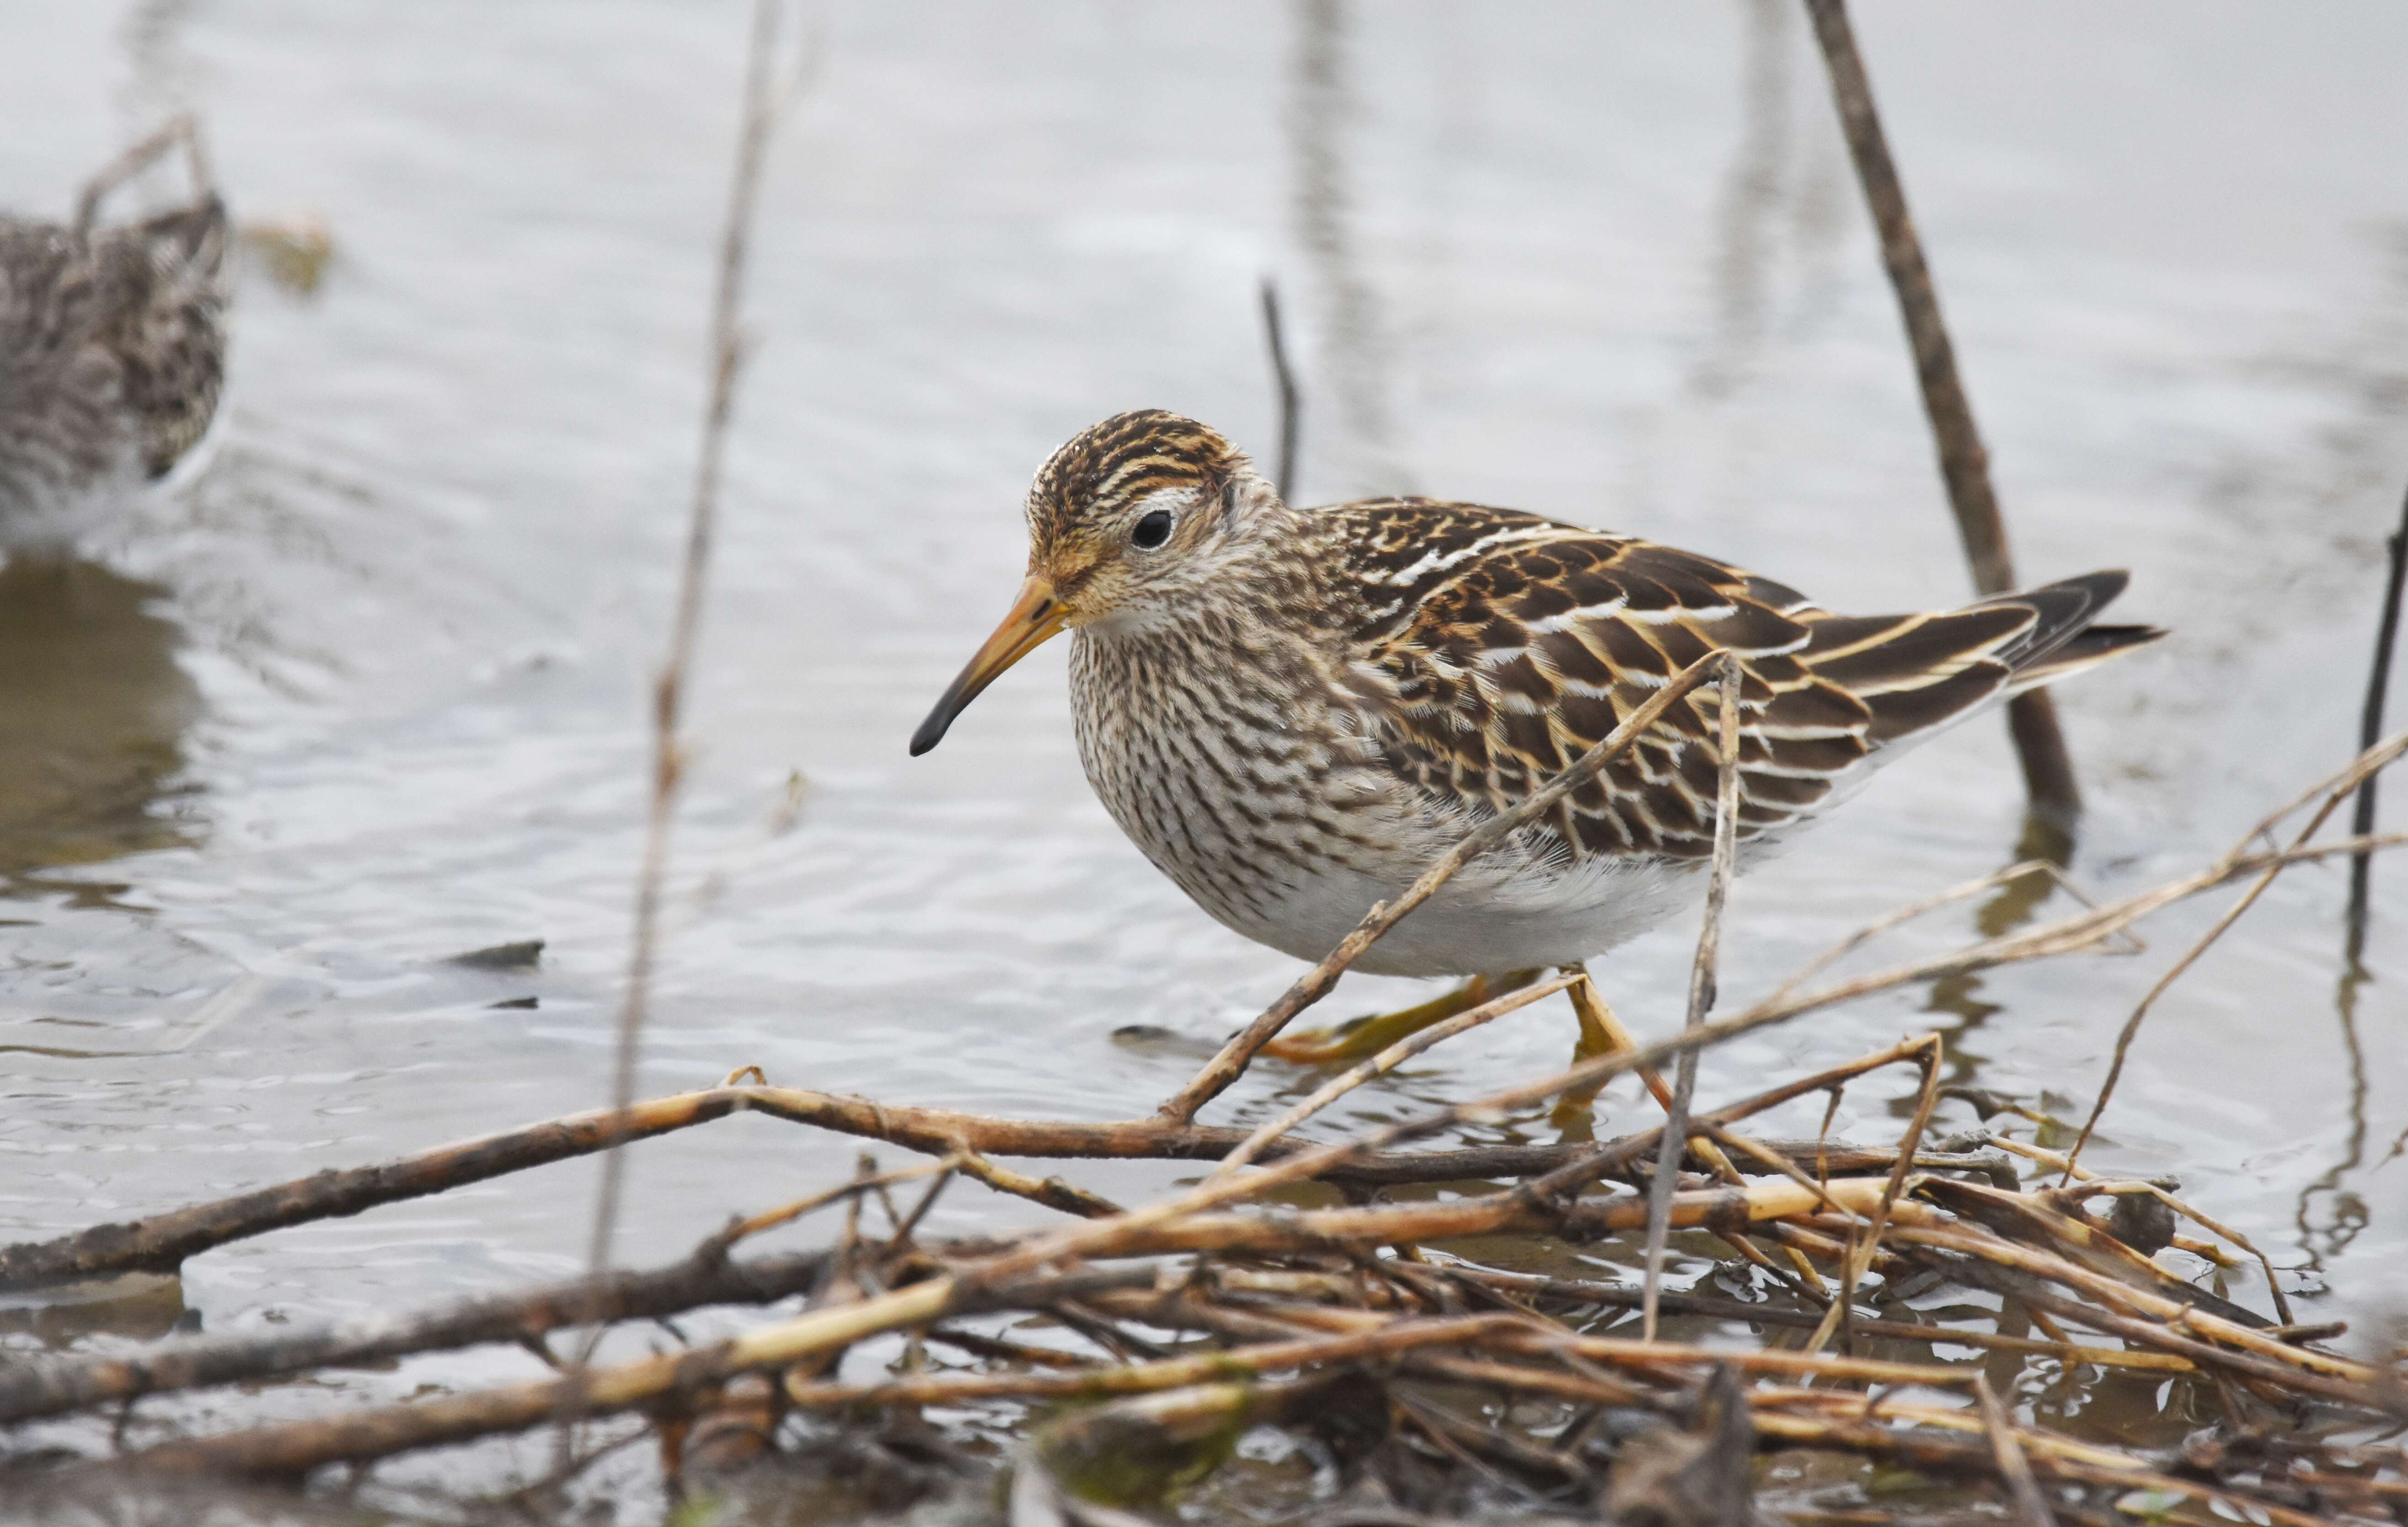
{"x": 143, "y": 1306}
{"x": 1752, "y": 197}
{"x": 2347, "y": 1211}
{"x": 94, "y": 712}
{"x": 2011, "y": 905}
{"x": 160, "y": 77}
{"x": 1355, "y": 358}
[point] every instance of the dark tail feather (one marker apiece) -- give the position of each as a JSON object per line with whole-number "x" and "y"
{"x": 2063, "y": 610}
{"x": 2091, "y": 645}
{"x": 1914, "y": 673}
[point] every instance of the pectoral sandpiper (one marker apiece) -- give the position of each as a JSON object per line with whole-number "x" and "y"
{"x": 111, "y": 352}
{"x": 1293, "y": 711}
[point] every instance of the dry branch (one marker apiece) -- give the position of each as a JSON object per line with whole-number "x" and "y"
{"x": 160, "y": 1242}
{"x": 1701, "y": 980}
{"x": 381, "y": 1431}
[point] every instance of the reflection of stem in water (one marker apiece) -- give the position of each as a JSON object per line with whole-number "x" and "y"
{"x": 2349, "y": 1212}
{"x": 1354, "y": 349}
{"x": 1751, "y": 196}
{"x": 160, "y": 84}
{"x": 2011, "y": 908}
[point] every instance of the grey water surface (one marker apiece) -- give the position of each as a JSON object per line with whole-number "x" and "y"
{"x": 371, "y": 692}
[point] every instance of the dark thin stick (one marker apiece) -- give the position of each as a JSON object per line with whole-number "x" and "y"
{"x": 1285, "y": 379}
{"x": 372, "y": 1432}
{"x": 1701, "y": 994}
{"x": 668, "y": 691}
{"x": 1315, "y": 984}
{"x": 2370, "y": 729}
{"x": 1964, "y": 463}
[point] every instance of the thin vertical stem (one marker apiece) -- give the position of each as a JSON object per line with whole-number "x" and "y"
{"x": 669, "y": 689}
{"x": 1964, "y": 462}
{"x": 2369, "y": 731}
{"x": 1283, "y": 377}
{"x": 1674, "y": 1143}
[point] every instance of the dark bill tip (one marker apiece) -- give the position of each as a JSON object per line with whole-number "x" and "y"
{"x": 931, "y": 732}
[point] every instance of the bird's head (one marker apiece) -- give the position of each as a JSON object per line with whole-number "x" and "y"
{"x": 1130, "y": 518}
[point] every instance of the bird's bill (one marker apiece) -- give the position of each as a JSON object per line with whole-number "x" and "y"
{"x": 1035, "y": 618}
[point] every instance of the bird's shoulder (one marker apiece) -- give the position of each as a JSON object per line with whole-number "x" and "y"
{"x": 1494, "y": 647}
{"x": 1458, "y": 580}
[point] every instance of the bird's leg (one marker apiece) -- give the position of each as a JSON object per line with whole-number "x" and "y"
{"x": 1601, "y": 1033}
{"x": 1370, "y": 1035}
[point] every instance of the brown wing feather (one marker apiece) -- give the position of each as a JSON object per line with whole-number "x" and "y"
{"x": 1508, "y": 645}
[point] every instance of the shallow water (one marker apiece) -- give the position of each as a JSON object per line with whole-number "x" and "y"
{"x": 371, "y": 693}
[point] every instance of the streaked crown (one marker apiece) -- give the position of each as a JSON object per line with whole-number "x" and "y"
{"x": 1110, "y": 467}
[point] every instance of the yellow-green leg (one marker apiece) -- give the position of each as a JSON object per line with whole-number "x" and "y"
{"x": 1601, "y": 1033}
{"x": 1368, "y": 1036}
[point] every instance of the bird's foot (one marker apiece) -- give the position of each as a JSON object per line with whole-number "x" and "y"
{"x": 1367, "y": 1036}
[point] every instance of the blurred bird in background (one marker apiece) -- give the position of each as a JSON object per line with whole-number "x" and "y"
{"x": 112, "y": 352}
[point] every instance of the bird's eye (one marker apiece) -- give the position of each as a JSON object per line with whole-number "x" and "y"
{"x": 1152, "y": 531}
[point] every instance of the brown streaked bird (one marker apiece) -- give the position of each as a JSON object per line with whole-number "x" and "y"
{"x": 112, "y": 352}
{"x": 1294, "y": 712}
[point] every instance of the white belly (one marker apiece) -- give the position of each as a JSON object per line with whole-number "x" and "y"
{"x": 1486, "y": 924}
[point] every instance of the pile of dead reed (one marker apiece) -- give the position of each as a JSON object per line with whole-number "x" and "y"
{"x": 1380, "y": 1330}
